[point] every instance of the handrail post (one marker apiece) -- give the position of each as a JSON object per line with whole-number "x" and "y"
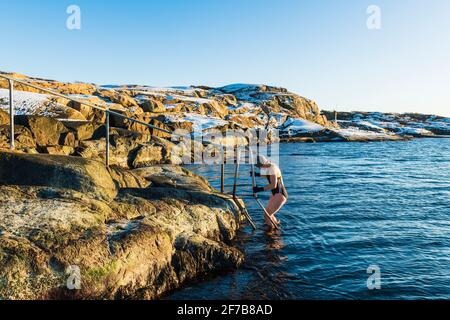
{"x": 11, "y": 114}
{"x": 222, "y": 178}
{"x": 107, "y": 138}
{"x": 236, "y": 173}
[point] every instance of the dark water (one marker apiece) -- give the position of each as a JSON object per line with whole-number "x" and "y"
{"x": 351, "y": 205}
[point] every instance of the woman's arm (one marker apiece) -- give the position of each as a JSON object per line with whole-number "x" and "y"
{"x": 273, "y": 183}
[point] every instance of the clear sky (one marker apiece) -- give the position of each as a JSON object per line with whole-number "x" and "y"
{"x": 321, "y": 49}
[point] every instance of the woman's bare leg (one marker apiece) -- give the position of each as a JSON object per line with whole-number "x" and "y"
{"x": 275, "y": 204}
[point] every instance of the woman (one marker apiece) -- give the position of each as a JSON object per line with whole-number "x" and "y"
{"x": 276, "y": 185}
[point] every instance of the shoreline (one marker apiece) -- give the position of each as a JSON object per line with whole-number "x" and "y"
{"x": 310, "y": 140}
{"x": 141, "y": 226}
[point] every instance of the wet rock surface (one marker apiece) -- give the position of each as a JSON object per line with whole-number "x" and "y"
{"x": 156, "y": 229}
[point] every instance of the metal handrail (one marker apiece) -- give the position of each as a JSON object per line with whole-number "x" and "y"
{"x": 94, "y": 106}
{"x": 109, "y": 112}
{"x": 89, "y": 104}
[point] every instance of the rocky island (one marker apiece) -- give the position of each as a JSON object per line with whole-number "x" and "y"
{"x": 144, "y": 225}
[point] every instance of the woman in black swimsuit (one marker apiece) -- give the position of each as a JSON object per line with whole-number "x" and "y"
{"x": 276, "y": 186}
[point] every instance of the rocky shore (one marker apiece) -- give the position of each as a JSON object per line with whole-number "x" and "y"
{"x": 131, "y": 234}
{"x": 409, "y": 125}
{"x": 75, "y": 129}
{"x": 143, "y": 226}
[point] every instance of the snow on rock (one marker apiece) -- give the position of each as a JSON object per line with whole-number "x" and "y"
{"x": 410, "y": 124}
{"x": 243, "y": 106}
{"x": 200, "y": 123}
{"x": 251, "y": 93}
{"x": 277, "y": 119}
{"x": 25, "y": 103}
{"x": 295, "y": 126}
{"x": 201, "y": 108}
{"x": 30, "y": 103}
{"x": 81, "y": 96}
{"x": 175, "y": 98}
{"x": 189, "y": 99}
{"x": 162, "y": 91}
{"x": 371, "y": 125}
{"x": 233, "y": 88}
{"x": 413, "y": 131}
{"x": 356, "y": 134}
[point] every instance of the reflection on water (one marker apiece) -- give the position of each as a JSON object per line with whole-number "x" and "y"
{"x": 351, "y": 205}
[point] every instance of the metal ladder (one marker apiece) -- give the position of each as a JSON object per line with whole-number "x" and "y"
{"x": 234, "y": 194}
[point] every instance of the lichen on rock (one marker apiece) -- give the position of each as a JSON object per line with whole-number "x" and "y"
{"x": 132, "y": 234}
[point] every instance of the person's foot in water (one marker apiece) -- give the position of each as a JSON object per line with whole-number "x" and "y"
{"x": 274, "y": 220}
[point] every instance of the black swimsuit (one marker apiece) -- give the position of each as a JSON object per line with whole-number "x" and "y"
{"x": 279, "y": 188}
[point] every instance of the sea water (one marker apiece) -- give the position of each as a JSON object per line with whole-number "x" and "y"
{"x": 358, "y": 213}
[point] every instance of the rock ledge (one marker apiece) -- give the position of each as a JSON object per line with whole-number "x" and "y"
{"x": 134, "y": 234}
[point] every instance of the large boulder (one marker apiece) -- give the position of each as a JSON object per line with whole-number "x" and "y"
{"x": 62, "y": 112}
{"x": 152, "y": 105}
{"x": 46, "y": 131}
{"x": 96, "y": 150}
{"x": 85, "y": 110}
{"x": 154, "y": 130}
{"x": 148, "y": 155}
{"x": 123, "y": 144}
{"x": 121, "y": 98}
{"x": 23, "y": 137}
{"x": 64, "y": 88}
{"x": 60, "y": 150}
{"x": 90, "y": 177}
{"x": 174, "y": 177}
{"x": 156, "y": 151}
{"x": 83, "y": 130}
{"x": 126, "y": 179}
{"x": 130, "y": 149}
{"x": 214, "y": 108}
{"x": 68, "y": 139}
{"x": 143, "y": 244}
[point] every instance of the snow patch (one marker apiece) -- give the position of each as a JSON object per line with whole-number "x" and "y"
{"x": 200, "y": 122}
{"x": 358, "y": 133}
{"x": 25, "y": 103}
{"x": 232, "y": 88}
{"x": 371, "y": 125}
{"x": 189, "y": 99}
{"x": 297, "y": 125}
{"x": 242, "y": 105}
{"x": 410, "y": 131}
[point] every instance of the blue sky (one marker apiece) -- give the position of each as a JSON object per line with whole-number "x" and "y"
{"x": 320, "y": 49}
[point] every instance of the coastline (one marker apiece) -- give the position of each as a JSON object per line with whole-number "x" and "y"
{"x": 143, "y": 226}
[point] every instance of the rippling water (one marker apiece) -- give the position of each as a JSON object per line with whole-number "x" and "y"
{"x": 351, "y": 205}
